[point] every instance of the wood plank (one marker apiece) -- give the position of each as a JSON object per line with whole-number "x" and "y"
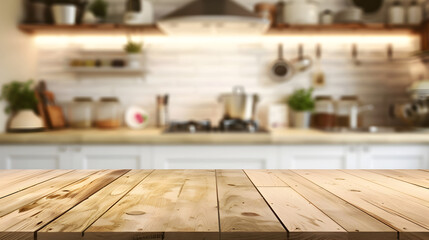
{"x": 72, "y": 224}
{"x": 416, "y": 177}
{"x": 395, "y": 184}
{"x": 12, "y": 202}
{"x": 388, "y": 206}
{"x": 22, "y": 179}
{"x": 243, "y": 213}
{"x": 154, "y": 206}
{"x": 302, "y": 219}
{"x": 359, "y": 225}
{"x": 25, "y": 221}
{"x": 265, "y": 178}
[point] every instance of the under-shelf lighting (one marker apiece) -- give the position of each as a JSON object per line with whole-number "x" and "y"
{"x": 52, "y": 40}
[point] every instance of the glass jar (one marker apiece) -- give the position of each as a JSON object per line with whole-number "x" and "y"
{"x": 108, "y": 113}
{"x": 80, "y": 112}
{"x": 324, "y": 113}
{"x": 348, "y": 112}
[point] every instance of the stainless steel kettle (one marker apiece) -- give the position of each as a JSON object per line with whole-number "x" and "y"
{"x": 238, "y": 104}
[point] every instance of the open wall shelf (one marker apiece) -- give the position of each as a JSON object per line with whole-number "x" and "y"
{"x": 283, "y": 29}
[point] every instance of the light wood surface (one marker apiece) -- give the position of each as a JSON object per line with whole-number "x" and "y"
{"x": 215, "y": 205}
{"x": 156, "y": 136}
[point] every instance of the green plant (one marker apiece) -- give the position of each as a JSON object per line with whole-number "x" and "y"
{"x": 133, "y": 47}
{"x": 19, "y": 96}
{"x": 301, "y": 100}
{"x": 99, "y": 8}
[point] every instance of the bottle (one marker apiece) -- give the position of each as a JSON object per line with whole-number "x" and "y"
{"x": 414, "y": 13}
{"x": 396, "y": 14}
{"x": 426, "y": 10}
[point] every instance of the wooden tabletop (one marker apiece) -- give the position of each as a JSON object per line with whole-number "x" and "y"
{"x": 214, "y": 204}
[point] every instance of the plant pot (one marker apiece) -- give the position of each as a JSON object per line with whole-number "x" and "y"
{"x": 25, "y": 121}
{"x": 301, "y": 119}
{"x": 64, "y": 14}
{"x": 134, "y": 60}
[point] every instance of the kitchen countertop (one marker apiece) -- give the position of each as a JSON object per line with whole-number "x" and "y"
{"x": 214, "y": 204}
{"x": 156, "y": 136}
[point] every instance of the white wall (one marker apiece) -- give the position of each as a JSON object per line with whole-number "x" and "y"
{"x": 17, "y": 50}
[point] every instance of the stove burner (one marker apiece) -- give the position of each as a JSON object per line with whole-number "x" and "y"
{"x": 238, "y": 125}
{"x": 225, "y": 125}
{"x": 190, "y": 126}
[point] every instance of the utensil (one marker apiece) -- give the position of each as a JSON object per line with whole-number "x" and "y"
{"x": 162, "y": 110}
{"x": 302, "y": 63}
{"x": 281, "y": 70}
{"x": 318, "y": 74}
{"x": 238, "y": 104}
{"x": 355, "y": 55}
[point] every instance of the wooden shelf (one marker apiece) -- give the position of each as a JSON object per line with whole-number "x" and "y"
{"x": 89, "y": 29}
{"x": 105, "y": 70}
{"x": 277, "y": 30}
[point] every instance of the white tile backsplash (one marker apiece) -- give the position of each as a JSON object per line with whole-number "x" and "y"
{"x": 195, "y": 71}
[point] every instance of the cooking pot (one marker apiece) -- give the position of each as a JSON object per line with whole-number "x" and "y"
{"x": 238, "y": 104}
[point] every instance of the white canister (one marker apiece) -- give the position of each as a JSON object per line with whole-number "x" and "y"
{"x": 396, "y": 14}
{"x": 301, "y": 12}
{"x": 414, "y": 13}
{"x": 64, "y": 14}
{"x": 278, "y": 116}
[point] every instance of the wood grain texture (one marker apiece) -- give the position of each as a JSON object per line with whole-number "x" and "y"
{"x": 22, "y": 179}
{"x": 359, "y": 225}
{"x": 25, "y": 221}
{"x": 215, "y": 205}
{"x": 72, "y": 224}
{"x": 417, "y": 177}
{"x": 156, "y": 206}
{"x": 12, "y": 202}
{"x": 395, "y": 184}
{"x": 243, "y": 213}
{"x": 388, "y": 206}
{"x": 302, "y": 219}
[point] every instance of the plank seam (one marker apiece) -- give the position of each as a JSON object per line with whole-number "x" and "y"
{"x": 44, "y": 225}
{"x": 83, "y": 232}
{"x": 37, "y": 183}
{"x": 272, "y": 210}
{"x": 361, "y": 209}
{"x": 382, "y": 185}
{"x": 403, "y": 180}
{"x": 218, "y": 210}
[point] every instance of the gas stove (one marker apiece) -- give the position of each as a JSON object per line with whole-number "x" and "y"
{"x": 225, "y": 126}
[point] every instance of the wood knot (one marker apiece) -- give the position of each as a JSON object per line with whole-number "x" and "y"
{"x": 354, "y": 190}
{"x": 340, "y": 179}
{"x": 136, "y": 213}
{"x": 249, "y": 214}
{"x": 232, "y": 185}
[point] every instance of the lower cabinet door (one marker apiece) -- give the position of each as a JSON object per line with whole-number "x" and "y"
{"x": 394, "y": 157}
{"x": 112, "y": 157}
{"x": 318, "y": 157}
{"x": 34, "y": 157}
{"x": 215, "y": 157}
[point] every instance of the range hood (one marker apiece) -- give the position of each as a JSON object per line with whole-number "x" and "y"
{"x": 213, "y": 17}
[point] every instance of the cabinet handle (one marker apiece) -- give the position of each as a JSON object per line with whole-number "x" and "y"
{"x": 78, "y": 149}
{"x": 62, "y": 149}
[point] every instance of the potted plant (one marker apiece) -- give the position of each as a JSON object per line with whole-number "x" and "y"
{"x": 22, "y": 106}
{"x": 99, "y": 9}
{"x": 133, "y": 49}
{"x": 302, "y": 103}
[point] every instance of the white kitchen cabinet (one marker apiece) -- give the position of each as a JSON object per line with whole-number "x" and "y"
{"x": 394, "y": 157}
{"x": 34, "y": 157}
{"x": 215, "y": 157}
{"x": 318, "y": 157}
{"x": 111, "y": 157}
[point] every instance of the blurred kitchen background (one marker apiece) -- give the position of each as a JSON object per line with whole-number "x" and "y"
{"x": 194, "y": 71}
